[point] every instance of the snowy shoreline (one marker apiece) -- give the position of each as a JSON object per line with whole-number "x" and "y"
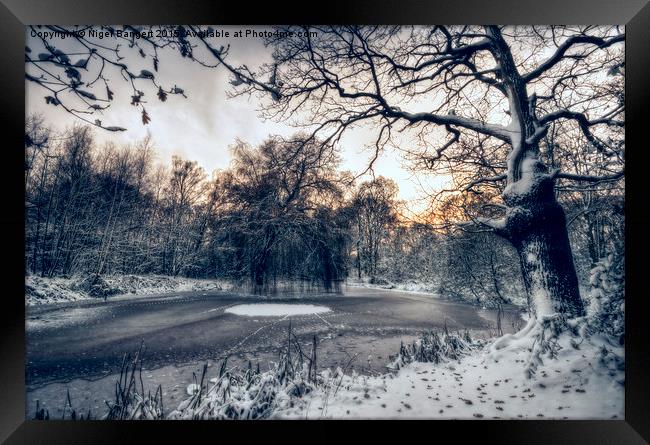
{"x": 420, "y": 289}
{"x": 463, "y": 379}
{"x": 39, "y": 291}
{"x": 57, "y": 290}
{"x": 573, "y": 386}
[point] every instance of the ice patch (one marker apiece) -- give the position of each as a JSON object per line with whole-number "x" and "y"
{"x": 276, "y": 309}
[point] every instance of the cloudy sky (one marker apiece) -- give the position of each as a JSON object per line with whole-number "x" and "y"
{"x": 203, "y": 126}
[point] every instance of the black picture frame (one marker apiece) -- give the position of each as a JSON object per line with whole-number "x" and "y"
{"x": 635, "y": 14}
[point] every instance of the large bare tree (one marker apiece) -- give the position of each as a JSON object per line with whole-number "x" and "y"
{"x": 495, "y": 90}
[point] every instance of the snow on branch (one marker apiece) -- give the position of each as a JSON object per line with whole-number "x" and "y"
{"x": 590, "y": 178}
{"x": 494, "y": 130}
{"x": 476, "y": 182}
{"x": 562, "y": 49}
{"x": 498, "y": 225}
{"x": 585, "y": 125}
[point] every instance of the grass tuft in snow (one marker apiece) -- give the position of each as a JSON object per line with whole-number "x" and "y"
{"x": 434, "y": 348}
{"x": 131, "y": 403}
{"x": 252, "y": 394}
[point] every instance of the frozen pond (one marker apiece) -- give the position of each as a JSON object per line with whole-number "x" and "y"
{"x": 79, "y": 347}
{"x": 276, "y": 309}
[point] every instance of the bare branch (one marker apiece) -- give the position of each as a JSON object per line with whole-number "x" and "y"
{"x": 590, "y": 178}
{"x": 562, "y": 49}
{"x": 476, "y": 182}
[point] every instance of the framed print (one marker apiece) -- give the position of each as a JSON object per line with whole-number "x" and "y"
{"x": 394, "y": 214}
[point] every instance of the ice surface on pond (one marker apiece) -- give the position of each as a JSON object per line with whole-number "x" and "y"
{"x": 276, "y": 309}
{"x": 63, "y": 318}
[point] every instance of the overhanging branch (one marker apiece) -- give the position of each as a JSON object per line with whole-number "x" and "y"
{"x": 590, "y": 178}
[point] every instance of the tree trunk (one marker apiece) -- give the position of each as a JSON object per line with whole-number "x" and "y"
{"x": 548, "y": 271}
{"x": 359, "y": 231}
{"x": 261, "y": 260}
{"x": 535, "y": 222}
{"x": 536, "y": 225}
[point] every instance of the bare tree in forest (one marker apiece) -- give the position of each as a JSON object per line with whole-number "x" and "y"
{"x": 185, "y": 190}
{"x": 374, "y": 205}
{"x": 276, "y": 213}
{"x": 37, "y": 162}
{"x": 280, "y": 193}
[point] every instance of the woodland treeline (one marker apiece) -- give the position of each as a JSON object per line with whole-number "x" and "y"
{"x": 282, "y": 212}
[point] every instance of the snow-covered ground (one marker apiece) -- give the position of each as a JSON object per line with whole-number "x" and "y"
{"x": 579, "y": 376}
{"x": 578, "y": 384}
{"x": 58, "y": 290}
{"x": 276, "y": 310}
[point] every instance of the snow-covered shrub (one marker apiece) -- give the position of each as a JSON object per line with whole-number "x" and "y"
{"x": 380, "y": 281}
{"x": 95, "y": 286}
{"x": 250, "y": 395}
{"x": 40, "y": 290}
{"x": 547, "y": 331}
{"x": 434, "y": 348}
{"x": 606, "y": 305}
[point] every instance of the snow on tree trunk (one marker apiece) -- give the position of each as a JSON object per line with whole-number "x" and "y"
{"x": 536, "y": 225}
{"x": 535, "y": 222}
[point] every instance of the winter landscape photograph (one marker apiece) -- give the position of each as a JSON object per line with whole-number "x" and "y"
{"x": 324, "y": 222}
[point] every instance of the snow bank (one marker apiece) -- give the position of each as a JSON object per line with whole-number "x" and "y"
{"x": 57, "y": 290}
{"x": 51, "y": 290}
{"x": 276, "y": 310}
